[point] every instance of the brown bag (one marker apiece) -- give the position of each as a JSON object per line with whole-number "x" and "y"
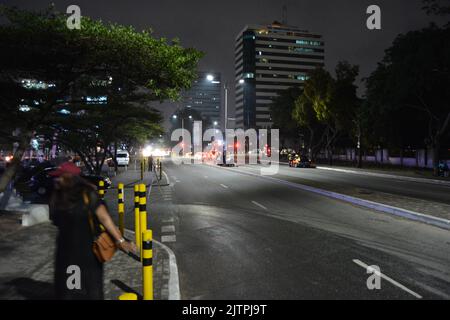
{"x": 103, "y": 247}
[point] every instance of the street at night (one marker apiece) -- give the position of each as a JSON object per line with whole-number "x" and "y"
{"x": 225, "y": 159}
{"x": 245, "y": 237}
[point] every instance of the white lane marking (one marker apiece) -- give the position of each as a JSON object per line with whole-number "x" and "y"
{"x": 259, "y": 205}
{"x": 166, "y": 176}
{"x": 365, "y": 266}
{"x": 177, "y": 181}
{"x": 174, "y": 280}
{"x": 165, "y": 229}
{"x": 174, "y": 178}
{"x": 171, "y": 238}
{"x": 224, "y": 186}
{"x": 206, "y": 177}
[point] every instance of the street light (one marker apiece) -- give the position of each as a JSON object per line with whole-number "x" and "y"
{"x": 210, "y": 78}
{"x": 241, "y": 81}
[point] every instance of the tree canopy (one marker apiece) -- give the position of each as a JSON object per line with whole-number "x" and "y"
{"x": 408, "y": 94}
{"x": 327, "y": 108}
{"x": 47, "y": 68}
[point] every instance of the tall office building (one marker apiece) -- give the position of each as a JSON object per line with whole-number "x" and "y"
{"x": 204, "y": 96}
{"x": 269, "y": 59}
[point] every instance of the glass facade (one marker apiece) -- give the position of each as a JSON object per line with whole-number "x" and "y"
{"x": 268, "y": 60}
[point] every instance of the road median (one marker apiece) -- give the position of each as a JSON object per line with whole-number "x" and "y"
{"x": 381, "y": 207}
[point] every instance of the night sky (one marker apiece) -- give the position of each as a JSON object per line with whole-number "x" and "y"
{"x": 211, "y": 25}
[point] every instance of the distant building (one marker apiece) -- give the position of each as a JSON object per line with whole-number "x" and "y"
{"x": 205, "y": 96}
{"x": 269, "y": 59}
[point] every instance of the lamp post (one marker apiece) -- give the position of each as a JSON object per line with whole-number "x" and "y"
{"x": 210, "y": 78}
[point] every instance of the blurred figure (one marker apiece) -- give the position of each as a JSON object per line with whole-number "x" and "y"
{"x": 75, "y": 238}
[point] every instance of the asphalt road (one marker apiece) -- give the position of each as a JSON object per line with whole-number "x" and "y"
{"x": 243, "y": 237}
{"x": 336, "y": 180}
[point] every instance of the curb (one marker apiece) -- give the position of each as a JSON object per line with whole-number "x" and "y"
{"x": 381, "y": 175}
{"x": 411, "y": 215}
{"x": 174, "y": 284}
{"x": 392, "y": 176}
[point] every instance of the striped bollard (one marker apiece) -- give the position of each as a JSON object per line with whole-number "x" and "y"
{"x": 128, "y": 296}
{"x": 101, "y": 189}
{"x": 121, "y": 207}
{"x": 137, "y": 230}
{"x": 142, "y": 210}
{"x": 147, "y": 266}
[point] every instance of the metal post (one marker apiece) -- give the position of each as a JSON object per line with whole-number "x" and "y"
{"x": 142, "y": 210}
{"x": 121, "y": 207}
{"x": 225, "y": 144}
{"x": 128, "y": 296}
{"x": 137, "y": 230}
{"x": 101, "y": 189}
{"x": 160, "y": 170}
{"x": 147, "y": 265}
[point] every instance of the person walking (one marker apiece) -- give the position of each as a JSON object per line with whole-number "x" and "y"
{"x": 78, "y": 272}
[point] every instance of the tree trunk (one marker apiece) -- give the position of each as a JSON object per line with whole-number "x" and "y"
{"x": 401, "y": 157}
{"x": 436, "y": 148}
{"x": 11, "y": 170}
{"x": 359, "y": 157}
{"x": 330, "y": 156}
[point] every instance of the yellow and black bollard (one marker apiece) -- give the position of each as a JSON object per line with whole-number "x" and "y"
{"x": 128, "y": 296}
{"x": 101, "y": 189}
{"x": 142, "y": 210}
{"x": 137, "y": 229}
{"x": 147, "y": 267}
{"x": 121, "y": 208}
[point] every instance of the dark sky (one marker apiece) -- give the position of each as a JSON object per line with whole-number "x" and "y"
{"x": 211, "y": 25}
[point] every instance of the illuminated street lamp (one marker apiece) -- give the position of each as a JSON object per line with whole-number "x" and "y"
{"x": 210, "y": 78}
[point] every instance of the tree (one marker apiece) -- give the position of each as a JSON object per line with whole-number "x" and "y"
{"x": 310, "y": 127}
{"x": 91, "y": 133}
{"x": 58, "y": 63}
{"x": 281, "y": 113}
{"x": 412, "y": 83}
{"x": 328, "y": 106}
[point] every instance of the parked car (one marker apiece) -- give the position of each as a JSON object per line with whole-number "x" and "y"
{"x": 123, "y": 158}
{"x": 38, "y": 184}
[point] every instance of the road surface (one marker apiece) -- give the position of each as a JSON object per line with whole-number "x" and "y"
{"x": 237, "y": 236}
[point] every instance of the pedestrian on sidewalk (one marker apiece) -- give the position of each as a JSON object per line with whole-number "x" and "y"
{"x": 150, "y": 163}
{"x": 78, "y": 273}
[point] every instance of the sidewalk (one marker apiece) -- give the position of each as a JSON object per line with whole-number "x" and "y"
{"x": 26, "y": 271}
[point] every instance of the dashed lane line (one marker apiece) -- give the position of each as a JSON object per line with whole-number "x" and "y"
{"x": 169, "y": 238}
{"x": 395, "y": 283}
{"x": 259, "y": 205}
{"x": 165, "y": 229}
